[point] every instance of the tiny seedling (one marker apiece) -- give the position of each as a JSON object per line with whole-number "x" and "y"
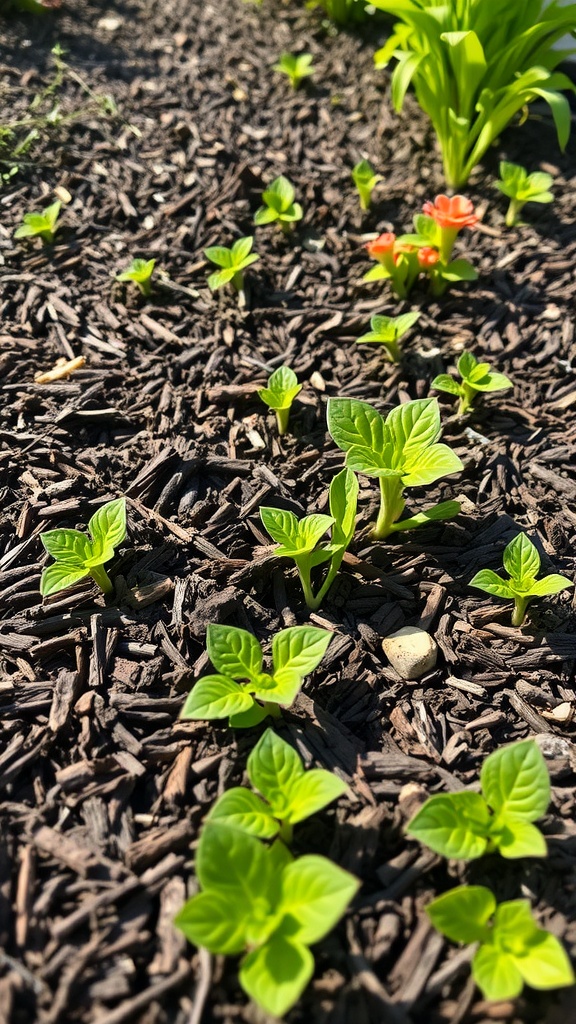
{"x": 466, "y": 825}
{"x": 258, "y": 901}
{"x": 299, "y": 539}
{"x": 77, "y": 556}
{"x": 522, "y": 188}
{"x": 522, "y": 563}
{"x": 476, "y": 377}
{"x": 387, "y": 331}
{"x": 279, "y": 394}
{"x": 241, "y": 691}
{"x": 289, "y": 793}
{"x": 140, "y": 272}
{"x": 296, "y": 67}
{"x": 400, "y": 451}
{"x": 42, "y": 225}
{"x": 365, "y": 179}
{"x": 233, "y": 263}
{"x": 279, "y": 205}
{"x": 513, "y": 950}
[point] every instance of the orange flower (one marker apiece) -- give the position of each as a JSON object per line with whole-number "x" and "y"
{"x": 456, "y": 212}
{"x": 403, "y": 249}
{"x": 380, "y": 247}
{"x": 428, "y": 257}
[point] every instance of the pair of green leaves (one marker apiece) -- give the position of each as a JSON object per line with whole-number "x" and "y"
{"x": 242, "y": 691}
{"x": 279, "y": 205}
{"x": 515, "y": 792}
{"x": 300, "y": 539}
{"x": 401, "y": 451}
{"x": 522, "y": 188}
{"x": 259, "y": 898}
{"x": 289, "y": 793}
{"x": 233, "y": 262}
{"x": 387, "y": 331}
{"x": 279, "y": 394}
{"x": 365, "y": 179}
{"x": 522, "y": 563}
{"x": 43, "y": 225}
{"x": 476, "y": 377}
{"x": 447, "y": 271}
{"x": 78, "y": 556}
{"x": 513, "y": 949}
{"x": 140, "y": 273}
{"x": 296, "y": 67}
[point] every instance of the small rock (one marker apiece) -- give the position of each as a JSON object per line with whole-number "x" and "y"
{"x": 411, "y": 652}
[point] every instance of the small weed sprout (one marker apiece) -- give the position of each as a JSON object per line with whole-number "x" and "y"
{"x": 43, "y": 225}
{"x": 365, "y": 179}
{"x": 140, "y": 273}
{"x": 522, "y": 563}
{"x": 476, "y": 378}
{"x": 387, "y": 331}
{"x": 522, "y": 188}
{"x": 279, "y": 394}
{"x": 78, "y": 556}
{"x": 279, "y": 205}
{"x": 296, "y": 67}
{"x": 233, "y": 262}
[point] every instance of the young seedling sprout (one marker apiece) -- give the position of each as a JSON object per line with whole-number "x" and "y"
{"x": 78, "y": 556}
{"x": 365, "y": 179}
{"x": 522, "y": 188}
{"x": 476, "y": 378}
{"x": 522, "y": 563}
{"x": 279, "y": 394}
{"x": 387, "y": 331}
{"x": 43, "y": 225}
{"x": 279, "y": 205}
{"x": 140, "y": 273}
{"x": 296, "y": 67}
{"x": 233, "y": 262}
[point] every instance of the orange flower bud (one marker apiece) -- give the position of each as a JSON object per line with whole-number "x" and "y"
{"x": 455, "y": 212}
{"x": 382, "y": 246}
{"x": 428, "y": 257}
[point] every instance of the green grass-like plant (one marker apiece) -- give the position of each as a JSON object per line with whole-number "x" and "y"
{"x": 477, "y": 378}
{"x": 365, "y": 179}
{"x": 387, "y": 331}
{"x": 296, "y": 67}
{"x": 139, "y": 273}
{"x": 77, "y": 556}
{"x": 279, "y": 394}
{"x": 42, "y": 225}
{"x": 233, "y": 262}
{"x": 522, "y": 188}
{"x": 522, "y": 563}
{"x": 278, "y": 205}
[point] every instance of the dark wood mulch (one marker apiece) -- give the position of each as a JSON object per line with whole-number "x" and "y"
{"x": 103, "y": 788}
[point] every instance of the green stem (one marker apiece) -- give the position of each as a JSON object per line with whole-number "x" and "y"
{"x": 282, "y": 418}
{"x": 286, "y": 832}
{"x": 100, "y": 576}
{"x": 393, "y": 350}
{"x": 286, "y": 226}
{"x": 303, "y": 567}
{"x": 391, "y": 505}
{"x": 519, "y": 613}
{"x": 238, "y": 281}
{"x": 272, "y": 709}
{"x": 467, "y": 397}
{"x": 365, "y": 196}
{"x": 145, "y": 287}
{"x": 513, "y": 212}
{"x": 447, "y": 239}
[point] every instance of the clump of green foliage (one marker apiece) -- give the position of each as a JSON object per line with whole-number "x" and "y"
{"x": 387, "y": 331}
{"x": 77, "y": 556}
{"x": 466, "y": 825}
{"x": 296, "y": 67}
{"x": 522, "y": 188}
{"x": 233, "y": 262}
{"x": 300, "y": 539}
{"x": 513, "y": 950}
{"x": 42, "y": 225}
{"x": 279, "y": 394}
{"x": 365, "y": 179}
{"x": 401, "y": 450}
{"x": 278, "y": 205}
{"x": 140, "y": 273}
{"x": 476, "y": 378}
{"x": 344, "y": 12}
{"x": 522, "y": 563}
{"x": 242, "y": 691}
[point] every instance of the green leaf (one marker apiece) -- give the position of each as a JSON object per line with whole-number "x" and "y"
{"x": 429, "y": 465}
{"x": 216, "y": 697}
{"x": 265, "y": 215}
{"x": 282, "y": 526}
{"x": 414, "y": 426}
{"x": 356, "y": 424}
{"x": 444, "y": 382}
{"x": 282, "y": 688}
{"x": 314, "y": 895}
{"x": 108, "y": 529}
{"x": 377, "y": 273}
{"x": 437, "y": 513}
{"x": 560, "y": 112}
{"x": 219, "y": 279}
{"x": 231, "y": 860}
{"x": 515, "y": 782}
{"x": 492, "y": 583}
{"x": 282, "y": 388}
{"x": 58, "y": 577}
{"x": 492, "y": 382}
{"x": 521, "y": 559}
{"x": 545, "y": 964}
{"x": 220, "y": 255}
{"x": 273, "y": 767}
{"x": 462, "y": 914}
{"x": 68, "y": 546}
{"x": 455, "y": 825}
{"x": 459, "y": 270}
{"x": 343, "y": 505}
{"x": 215, "y": 922}
{"x": 514, "y": 927}
{"x": 280, "y": 194}
{"x": 275, "y": 975}
{"x": 519, "y": 839}
{"x": 241, "y": 249}
{"x": 233, "y": 652}
{"x": 311, "y": 529}
{"x": 244, "y": 810}
{"x": 496, "y": 973}
{"x": 427, "y": 230}
{"x": 313, "y": 791}
{"x": 299, "y": 649}
{"x": 247, "y": 719}
{"x": 551, "y": 584}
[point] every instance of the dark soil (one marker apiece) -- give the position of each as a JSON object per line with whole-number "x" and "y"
{"x": 104, "y": 789}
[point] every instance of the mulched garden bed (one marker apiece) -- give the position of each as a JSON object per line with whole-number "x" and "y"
{"x": 103, "y": 788}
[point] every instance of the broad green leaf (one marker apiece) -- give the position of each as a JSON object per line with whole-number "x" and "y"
{"x": 273, "y": 766}
{"x": 455, "y": 825}
{"x": 233, "y": 863}
{"x": 280, "y": 194}
{"x": 356, "y": 424}
{"x": 515, "y": 782}
{"x": 414, "y": 426}
{"x": 282, "y": 388}
{"x": 459, "y": 270}
{"x": 521, "y": 559}
{"x": 265, "y": 215}
{"x": 311, "y": 529}
{"x": 68, "y": 546}
{"x": 519, "y": 839}
{"x": 560, "y": 112}
{"x": 496, "y": 973}
{"x": 365, "y": 460}
{"x": 545, "y": 964}
{"x": 293, "y": 212}
{"x": 444, "y": 382}
{"x": 283, "y": 687}
{"x": 233, "y": 652}
{"x": 247, "y": 719}
{"x": 315, "y": 894}
{"x": 467, "y": 364}
{"x": 462, "y": 914}
{"x": 220, "y": 255}
{"x": 215, "y": 922}
{"x": 427, "y": 230}
{"x": 343, "y": 505}
{"x": 492, "y": 382}
{"x": 435, "y": 514}
{"x": 282, "y": 526}
{"x": 427, "y": 466}
{"x": 215, "y": 697}
{"x": 311, "y": 792}
{"x": 220, "y": 278}
{"x": 108, "y": 529}
{"x": 551, "y": 584}
{"x": 59, "y": 576}
{"x": 276, "y": 975}
{"x": 241, "y": 249}
{"x": 377, "y": 273}
{"x": 299, "y": 649}
{"x": 244, "y": 810}
{"x": 492, "y": 584}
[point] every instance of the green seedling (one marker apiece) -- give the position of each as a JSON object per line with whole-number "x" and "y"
{"x": 77, "y": 556}
{"x": 301, "y": 539}
{"x": 466, "y": 825}
{"x": 365, "y": 179}
{"x": 279, "y": 205}
{"x": 296, "y": 67}
{"x": 513, "y": 950}
{"x": 289, "y": 793}
{"x": 476, "y": 378}
{"x": 522, "y": 188}
{"x": 387, "y": 331}
{"x": 42, "y": 225}
{"x": 522, "y": 563}
{"x": 140, "y": 272}
{"x": 260, "y": 902}
{"x": 400, "y": 451}
{"x": 241, "y": 691}
{"x": 233, "y": 263}
{"x": 279, "y": 394}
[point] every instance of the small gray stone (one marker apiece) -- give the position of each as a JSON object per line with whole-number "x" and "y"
{"x": 411, "y": 652}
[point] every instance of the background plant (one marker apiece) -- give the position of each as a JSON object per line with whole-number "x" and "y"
{"x": 42, "y": 225}
{"x": 522, "y": 188}
{"x": 387, "y": 331}
{"x": 476, "y": 378}
{"x": 296, "y": 67}
{"x": 278, "y": 205}
{"x": 140, "y": 273}
{"x": 280, "y": 393}
{"x": 77, "y": 556}
{"x": 522, "y": 563}
{"x": 232, "y": 262}
{"x": 344, "y": 12}
{"x": 365, "y": 179}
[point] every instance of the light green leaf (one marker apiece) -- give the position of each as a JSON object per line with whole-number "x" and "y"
{"x": 265, "y": 215}
{"x": 311, "y": 529}
{"x": 366, "y": 460}
{"x": 551, "y": 584}
{"x": 496, "y": 973}
{"x": 462, "y": 914}
{"x": 215, "y": 697}
{"x": 515, "y": 782}
{"x": 493, "y": 382}
{"x": 519, "y": 839}
{"x": 314, "y": 895}
{"x": 456, "y": 825}
{"x": 220, "y": 255}
{"x": 245, "y": 811}
{"x": 233, "y": 652}
{"x": 58, "y": 577}
{"x": 437, "y": 513}
{"x": 521, "y": 559}
{"x": 545, "y": 964}
{"x": 299, "y": 649}
{"x": 247, "y": 719}
{"x": 68, "y": 546}
{"x": 273, "y": 767}
{"x": 283, "y": 526}
{"x": 492, "y": 583}
{"x": 215, "y": 922}
{"x": 414, "y": 426}
{"x": 343, "y": 505}
{"x": 356, "y": 424}
{"x": 108, "y": 529}
{"x": 282, "y": 388}
{"x": 377, "y": 273}
{"x": 276, "y": 975}
{"x": 280, "y": 194}
{"x": 220, "y": 278}
{"x": 427, "y": 466}
{"x": 313, "y": 791}
{"x": 231, "y": 860}
{"x": 241, "y": 249}
{"x": 282, "y": 689}
{"x": 459, "y": 270}
{"x": 444, "y": 382}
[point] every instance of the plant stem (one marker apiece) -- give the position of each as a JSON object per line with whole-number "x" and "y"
{"x": 447, "y": 239}
{"x": 238, "y": 281}
{"x": 393, "y": 350}
{"x": 519, "y": 613}
{"x": 303, "y": 566}
{"x": 272, "y": 709}
{"x": 467, "y": 397}
{"x": 513, "y": 212}
{"x": 146, "y": 288}
{"x": 282, "y": 417}
{"x": 286, "y": 832}
{"x": 391, "y": 505}
{"x": 100, "y": 576}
